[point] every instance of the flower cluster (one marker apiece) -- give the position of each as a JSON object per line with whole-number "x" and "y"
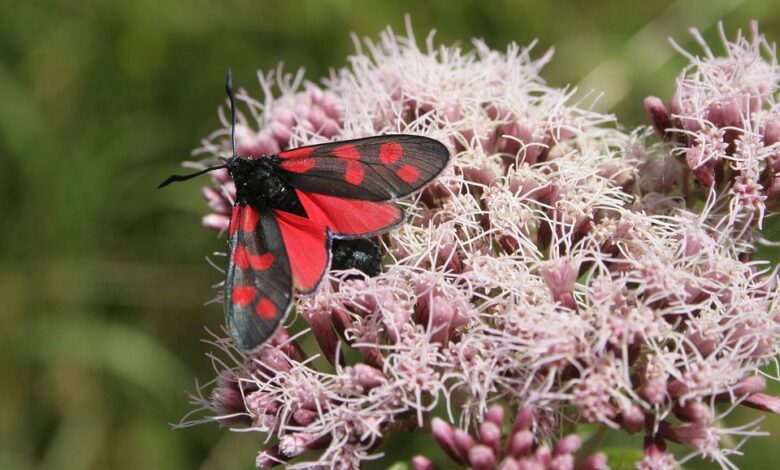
{"x": 521, "y": 449}
{"x": 725, "y": 123}
{"x": 560, "y": 266}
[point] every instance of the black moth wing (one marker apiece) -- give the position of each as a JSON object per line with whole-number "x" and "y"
{"x": 377, "y": 168}
{"x": 258, "y": 282}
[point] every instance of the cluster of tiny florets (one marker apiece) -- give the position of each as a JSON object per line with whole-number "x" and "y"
{"x": 568, "y": 270}
{"x": 724, "y": 124}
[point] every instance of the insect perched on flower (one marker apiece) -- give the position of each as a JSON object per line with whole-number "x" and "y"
{"x": 289, "y": 208}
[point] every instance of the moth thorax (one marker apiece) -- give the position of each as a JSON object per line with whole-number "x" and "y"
{"x": 258, "y": 184}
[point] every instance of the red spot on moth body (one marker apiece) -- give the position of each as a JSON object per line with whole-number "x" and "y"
{"x": 408, "y": 173}
{"x": 245, "y": 259}
{"x": 346, "y": 152}
{"x": 265, "y": 308}
{"x": 390, "y": 152}
{"x": 242, "y": 296}
{"x": 355, "y": 173}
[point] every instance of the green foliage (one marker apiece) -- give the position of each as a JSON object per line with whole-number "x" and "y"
{"x": 102, "y": 276}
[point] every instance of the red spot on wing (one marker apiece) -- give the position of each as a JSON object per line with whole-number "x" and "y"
{"x": 298, "y": 165}
{"x": 355, "y": 172}
{"x": 301, "y": 152}
{"x": 350, "y": 216}
{"x": 297, "y": 160}
{"x": 390, "y": 152}
{"x": 347, "y": 152}
{"x": 408, "y": 173}
{"x": 265, "y": 309}
{"x": 244, "y": 259}
{"x": 234, "y": 216}
{"x": 261, "y": 262}
{"x": 306, "y": 242}
{"x": 242, "y": 296}
{"x": 249, "y": 218}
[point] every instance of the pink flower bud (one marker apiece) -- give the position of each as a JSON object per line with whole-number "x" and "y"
{"x": 543, "y": 454}
{"x": 281, "y": 132}
{"x": 696, "y": 435}
{"x": 597, "y": 461}
{"x": 258, "y": 145}
{"x": 701, "y": 168}
{"x": 319, "y": 317}
{"x": 531, "y": 464}
{"x": 562, "y": 462}
{"x": 482, "y": 458}
{"x": 216, "y": 200}
{"x": 259, "y": 403}
{"x": 283, "y": 341}
{"x": 693, "y": 412}
{"x": 269, "y": 458}
{"x": 304, "y": 417}
{"x": 463, "y": 441}
{"x": 445, "y": 436}
{"x": 749, "y": 385}
{"x": 293, "y": 445}
{"x": 763, "y": 402}
{"x": 221, "y": 177}
{"x": 422, "y": 463}
{"x": 633, "y": 419}
{"x": 771, "y": 132}
{"x": 509, "y": 464}
{"x": 523, "y": 419}
{"x": 727, "y": 111}
{"x": 520, "y": 443}
{"x": 366, "y": 376}
{"x": 229, "y": 399}
{"x": 490, "y": 435}
{"x": 216, "y": 222}
{"x": 495, "y": 414}
{"x": 560, "y": 275}
{"x": 654, "y": 391}
{"x": 658, "y": 116}
{"x": 567, "y": 445}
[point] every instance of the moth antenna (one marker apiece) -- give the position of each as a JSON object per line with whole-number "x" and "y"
{"x": 176, "y": 178}
{"x": 229, "y": 90}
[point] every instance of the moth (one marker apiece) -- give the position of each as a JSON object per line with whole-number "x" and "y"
{"x": 290, "y": 207}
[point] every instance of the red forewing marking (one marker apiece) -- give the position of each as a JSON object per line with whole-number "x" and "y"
{"x": 265, "y": 308}
{"x": 301, "y": 152}
{"x": 245, "y": 259}
{"x": 355, "y": 173}
{"x": 408, "y": 173}
{"x": 242, "y": 296}
{"x": 249, "y": 220}
{"x": 347, "y": 152}
{"x": 390, "y": 152}
{"x": 298, "y": 165}
{"x": 234, "y": 220}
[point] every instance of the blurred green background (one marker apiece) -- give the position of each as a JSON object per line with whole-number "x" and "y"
{"x": 103, "y": 278}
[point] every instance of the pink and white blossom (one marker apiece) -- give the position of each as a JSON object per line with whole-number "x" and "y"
{"x": 561, "y": 267}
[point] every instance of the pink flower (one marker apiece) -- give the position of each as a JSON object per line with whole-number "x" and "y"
{"x": 561, "y": 270}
